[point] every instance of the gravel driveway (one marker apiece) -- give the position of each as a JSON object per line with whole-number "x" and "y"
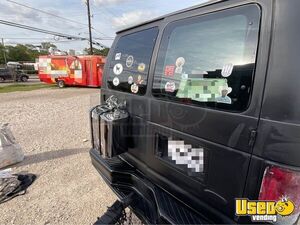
{"x": 51, "y": 125}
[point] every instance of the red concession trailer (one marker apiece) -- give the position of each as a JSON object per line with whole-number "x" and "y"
{"x": 72, "y": 70}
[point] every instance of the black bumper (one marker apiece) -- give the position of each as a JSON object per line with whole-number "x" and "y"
{"x": 153, "y": 205}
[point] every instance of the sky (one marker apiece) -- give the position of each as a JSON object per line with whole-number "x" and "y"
{"x": 108, "y": 16}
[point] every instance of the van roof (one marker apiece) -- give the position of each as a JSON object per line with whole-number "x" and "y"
{"x": 210, "y": 2}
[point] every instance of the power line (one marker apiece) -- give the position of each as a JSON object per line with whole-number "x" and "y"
{"x": 45, "y": 12}
{"x": 54, "y": 15}
{"x": 40, "y": 30}
{"x": 49, "y": 32}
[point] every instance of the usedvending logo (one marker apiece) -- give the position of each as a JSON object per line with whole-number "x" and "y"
{"x": 264, "y": 211}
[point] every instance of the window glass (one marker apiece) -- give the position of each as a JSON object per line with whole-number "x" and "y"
{"x": 209, "y": 60}
{"x": 130, "y": 64}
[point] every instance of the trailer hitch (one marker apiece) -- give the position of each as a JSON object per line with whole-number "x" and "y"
{"x": 115, "y": 213}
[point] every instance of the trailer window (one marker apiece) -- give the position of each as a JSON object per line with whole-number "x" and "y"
{"x": 129, "y": 67}
{"x": 209, "y": 60}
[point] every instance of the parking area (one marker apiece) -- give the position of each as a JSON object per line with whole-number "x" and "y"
{"x": 52, "y": 126}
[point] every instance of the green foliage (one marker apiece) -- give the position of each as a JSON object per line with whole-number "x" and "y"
{"x": 23, "y": 52}
{"x": 96, "y": 51}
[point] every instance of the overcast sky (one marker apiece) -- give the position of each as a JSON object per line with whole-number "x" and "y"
{"x": 108, "y": 16}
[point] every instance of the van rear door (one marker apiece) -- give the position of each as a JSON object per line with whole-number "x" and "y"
{"x": 195, "y": 116}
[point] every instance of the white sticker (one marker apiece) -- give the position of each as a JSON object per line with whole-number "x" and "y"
{"x": 141, "y": 67}
{"x": 118, "y": 56}
{"x": 224, "y": 98}
{"x": 170, "y": 87}
{"x": 129, "y": 61}
{"x": 178, "y": 70}
{"x": 227, "y": 70}
{"x": 134, "y": 88}
{"x": 184, "y": 154}
{"x": 118, "y": 69}
{"x": 116, "y": 81}
{"x": 179, "y": 64}
{"x": 130, "y": 80}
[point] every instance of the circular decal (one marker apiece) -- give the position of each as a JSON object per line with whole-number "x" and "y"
{"x": 180, "y": 62}
{"x": 116, "y": 81}
{"x": 118, "y": 69}
{"x": 141, "y": 67}
{"x": 140, "y": 79}
{"x": 134, "y": 88}
{"x": 129, "y": 61}
{"x": 170, "y": 87}
{"x": 130, "y": 80}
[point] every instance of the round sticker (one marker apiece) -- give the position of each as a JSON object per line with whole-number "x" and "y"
{"x": 134, "y": 88}
{"x": 170, "y": 87}
{"x": 139, "y": 79}
{"x": 116, "y": 81}
{"x": 180, "y": 62}
{"x": 141, "y": 67}
{"x": 130, "y": 80}
{"x": 129, "y": 61}
{"x": 118, "y": 69}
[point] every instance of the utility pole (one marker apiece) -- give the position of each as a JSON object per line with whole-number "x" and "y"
{"x": 90, "y": 26}
{"x": 4, "y": 53}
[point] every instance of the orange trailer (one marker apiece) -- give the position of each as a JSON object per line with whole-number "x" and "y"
{"x": 71, "y": 70}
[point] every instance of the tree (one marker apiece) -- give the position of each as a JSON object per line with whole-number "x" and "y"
{"x": 46, "y": 45}
{"x": 25, "y": 52}
{"x": 2, "y": 52}
{"x": 96, "y": 51}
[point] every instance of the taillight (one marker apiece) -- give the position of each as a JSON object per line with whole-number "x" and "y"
{"x": 279, "y": 183}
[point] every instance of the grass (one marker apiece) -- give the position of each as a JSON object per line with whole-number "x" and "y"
{"x": 23, "y": 87}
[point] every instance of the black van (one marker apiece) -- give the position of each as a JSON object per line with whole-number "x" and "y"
{"x": 200, "y": 109}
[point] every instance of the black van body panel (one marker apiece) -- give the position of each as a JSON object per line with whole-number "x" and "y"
{"x": 231, "y": 171}
{"x": 279, "y": 130}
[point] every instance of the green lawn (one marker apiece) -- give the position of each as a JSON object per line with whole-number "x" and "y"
{"x": 24, "y": 87}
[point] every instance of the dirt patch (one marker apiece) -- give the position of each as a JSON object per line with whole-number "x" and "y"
{"x": 51, "y": 125}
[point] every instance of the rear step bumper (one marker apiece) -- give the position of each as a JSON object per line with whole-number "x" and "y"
{"x": 153, "y": 205}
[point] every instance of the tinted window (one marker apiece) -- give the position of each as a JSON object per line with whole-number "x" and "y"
{"x": 209, "y": 60}
{"x": 129, "y": 66}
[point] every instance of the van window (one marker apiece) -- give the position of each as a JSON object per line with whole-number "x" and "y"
{"x": 209, "y": 60}
{"x": 130, "y": 63}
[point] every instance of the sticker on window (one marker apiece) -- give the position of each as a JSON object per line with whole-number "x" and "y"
{"x": 184, "y": 154}
{"x": 179, "y": 64}
{"x": 170, "y": 87}
{"x": 227, "y": 70}
{"x": 141, "y": 67}
{"x": 118, "y": 69}
{"x": 116, "y": 81}
{"x": 129, "y": 61}
{"x": 139, "y": 80}
{"x": 170, "y": 70}
{"x": 130, "y": 80}
{"x": 118, "y": 56}
{"x": 225, "y": 90}
{"x": 134, "y": 88}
